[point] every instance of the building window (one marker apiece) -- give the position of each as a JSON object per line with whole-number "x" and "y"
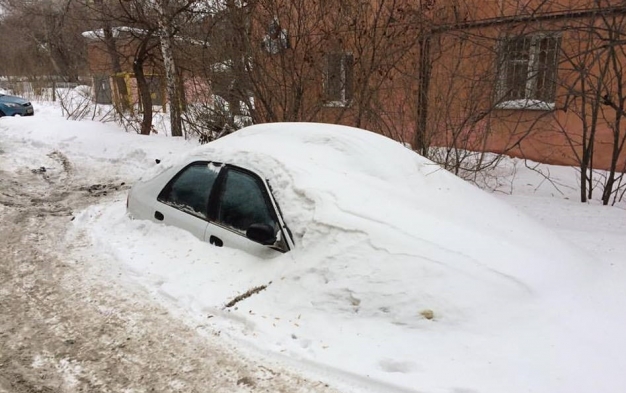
{"x": 338, "y": 87}
{"x": 276, "y": 40}
{"x": 527, "y": 72}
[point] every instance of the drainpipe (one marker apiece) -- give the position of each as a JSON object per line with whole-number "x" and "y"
{"x": 419, "y": 142}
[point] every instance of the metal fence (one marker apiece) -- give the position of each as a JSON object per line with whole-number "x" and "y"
{"x": 39, "y": 88}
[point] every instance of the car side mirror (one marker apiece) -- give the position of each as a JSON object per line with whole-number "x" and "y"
{"x": 261, "y": 233}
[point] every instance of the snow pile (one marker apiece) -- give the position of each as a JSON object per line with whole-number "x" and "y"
{"x": 97, "y": 150}
{"x": 402, "y": 272}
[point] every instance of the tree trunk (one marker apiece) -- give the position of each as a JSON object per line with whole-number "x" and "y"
{"x": 122, "y": 90}
{"x": 610, "y": 181}
{"x": 165, "y": 36}
{"x": 144, "y": 88}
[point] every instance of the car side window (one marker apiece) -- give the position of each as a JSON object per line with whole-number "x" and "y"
{"x": 189, "y": 191}
{"x": 243, "y": 202}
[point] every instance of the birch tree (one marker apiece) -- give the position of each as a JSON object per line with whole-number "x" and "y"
{"x": 166, "y": 35}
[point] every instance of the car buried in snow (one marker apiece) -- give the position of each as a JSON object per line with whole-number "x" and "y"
{"x": 272, "y": 188}
{"x": 244, "y": 190}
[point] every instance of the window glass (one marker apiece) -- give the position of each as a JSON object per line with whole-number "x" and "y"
{"x": 339, "y": 74}
{"x": 517, "y": 60}
{"x": 243, "y": 203}
{"x": 547, "y": 68}
{"x": 190, "y": 189}
{"x": 528, "y": 69}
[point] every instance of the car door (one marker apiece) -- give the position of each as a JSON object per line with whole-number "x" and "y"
{"x": 184, "y": 201}
{"x": 241, "y": 200}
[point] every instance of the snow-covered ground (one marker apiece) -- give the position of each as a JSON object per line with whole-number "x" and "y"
{"x": 365, "y": 332}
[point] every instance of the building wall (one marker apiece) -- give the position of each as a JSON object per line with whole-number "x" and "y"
{"x": 464, "y": 106}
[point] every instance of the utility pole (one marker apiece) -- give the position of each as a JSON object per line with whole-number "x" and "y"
{"x": 419, "y": 142}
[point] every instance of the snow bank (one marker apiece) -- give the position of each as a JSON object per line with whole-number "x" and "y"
{"x": 402, "y": 272}
{"x": 404, "y": 277}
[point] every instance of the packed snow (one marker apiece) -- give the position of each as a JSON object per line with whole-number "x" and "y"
{"x": 404, "y": 277}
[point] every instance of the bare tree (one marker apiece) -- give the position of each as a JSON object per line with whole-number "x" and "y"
{"x": 296, "y": 61}
{"x": 49, "y": 44}
{"x": 142, "y": 56}
{"x": 593, "y": 81}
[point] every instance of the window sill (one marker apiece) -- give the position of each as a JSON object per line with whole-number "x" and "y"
{"x": 526, "y": 104}
{"x": 337, "y": 104}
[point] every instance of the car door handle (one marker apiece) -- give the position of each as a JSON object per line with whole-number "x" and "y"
{"x": 158, "y": 215}
{"x": 216, "y": 241}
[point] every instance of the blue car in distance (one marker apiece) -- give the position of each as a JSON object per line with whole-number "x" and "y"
{"x": 12, "y": 105}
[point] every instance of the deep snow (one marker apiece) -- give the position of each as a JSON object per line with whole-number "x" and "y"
{"x": 516, "y": 308}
